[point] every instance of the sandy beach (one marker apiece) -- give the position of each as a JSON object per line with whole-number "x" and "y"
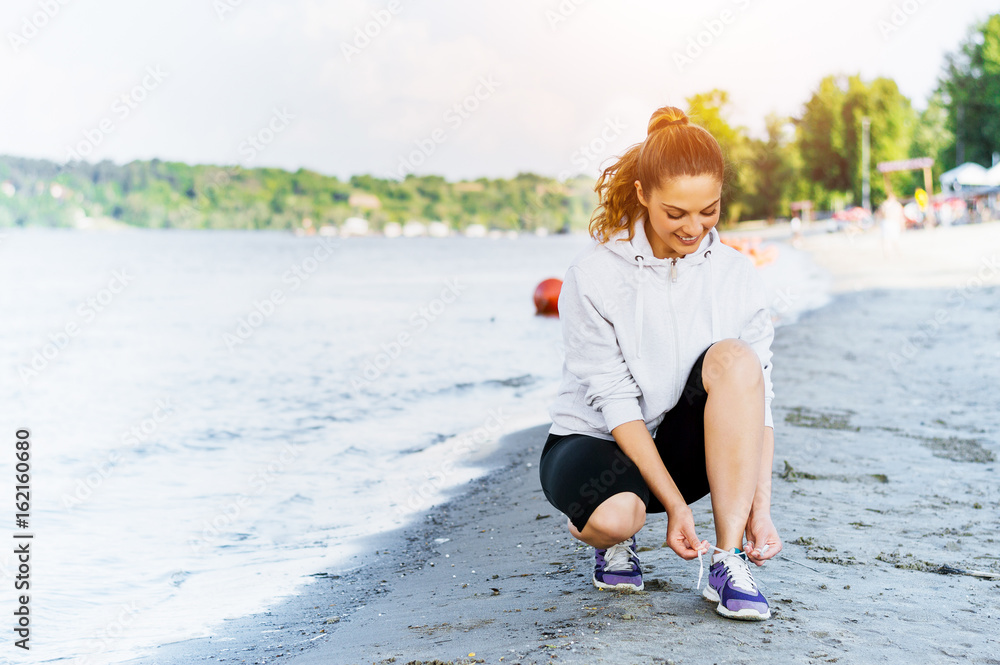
{"x": 885, "y": 492}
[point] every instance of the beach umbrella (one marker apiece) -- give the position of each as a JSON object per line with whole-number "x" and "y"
{"x": 969, "y": 174}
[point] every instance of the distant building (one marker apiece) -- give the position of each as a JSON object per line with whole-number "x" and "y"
{"x": 413, "y": 229}
{"x": 392, "y": 229}
{"x": 365, "y": 201}
{"x": 354, "y": 226}
{"x": 438, "y": 229}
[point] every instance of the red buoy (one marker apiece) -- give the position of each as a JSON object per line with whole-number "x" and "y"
{"x": 547, "y": 297}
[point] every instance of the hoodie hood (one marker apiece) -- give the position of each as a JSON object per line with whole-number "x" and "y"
{"x": 639, "y": 246}
{"x": 639, "y": 253}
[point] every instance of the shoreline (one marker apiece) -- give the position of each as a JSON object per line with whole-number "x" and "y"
{"x": 337, "y": 596}
{"x": 869, "y": 451}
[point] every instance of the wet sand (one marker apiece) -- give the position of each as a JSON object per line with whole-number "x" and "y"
{"x": 885, "y": 486}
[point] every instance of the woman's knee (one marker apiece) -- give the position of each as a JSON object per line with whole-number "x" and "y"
{"x": 732, "y": 361}
{"x": 618, "y": 518}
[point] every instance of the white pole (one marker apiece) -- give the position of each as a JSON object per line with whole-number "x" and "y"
{"x": 866, "y": 202}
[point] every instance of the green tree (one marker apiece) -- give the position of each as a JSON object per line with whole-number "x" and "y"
{"x": 970, "y": 86}
{"x": 829, "y": 136}
{"x": 711, "y": 111}
{"x": 769, "y": 179}
{"x": 892, "y": 125}
{"x": 820, "y": 142}
{"x": 932, "y": 136}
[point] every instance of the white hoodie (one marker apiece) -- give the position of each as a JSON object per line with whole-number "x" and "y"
{"x": 633, "y": 326}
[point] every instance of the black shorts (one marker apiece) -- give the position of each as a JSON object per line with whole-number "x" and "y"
{"x": 579, "y": 472}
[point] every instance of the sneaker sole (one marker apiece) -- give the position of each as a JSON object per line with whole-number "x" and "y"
{"x": 709, "y": 594}
{"x": 623, "y": 586}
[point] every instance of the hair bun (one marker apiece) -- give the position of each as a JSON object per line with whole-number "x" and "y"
{"x": 667, "y": 116}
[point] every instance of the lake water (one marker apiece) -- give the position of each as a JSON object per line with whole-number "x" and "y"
{"x": 214, "y": 416}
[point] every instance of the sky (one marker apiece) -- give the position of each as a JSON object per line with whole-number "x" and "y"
{"x": 460, "y": 89}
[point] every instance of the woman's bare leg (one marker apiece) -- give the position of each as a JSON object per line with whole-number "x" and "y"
{"x": 734, "y": 435}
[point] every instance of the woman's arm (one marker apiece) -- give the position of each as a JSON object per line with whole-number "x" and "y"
{"x": 759, "y": 333}
{"x": 760, "y": 531}
{"x": 762, "y": 497}
{"x": 593, "y": 353}
{"x": 634, "y": 440}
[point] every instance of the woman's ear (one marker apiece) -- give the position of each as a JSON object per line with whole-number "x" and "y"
{"x": 638, "y": 192}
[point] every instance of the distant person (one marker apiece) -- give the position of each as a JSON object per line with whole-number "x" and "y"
{"x": 945, "y": 214}
{"x": 893, "y": 221}
{"x": 796, "y": 227}
{"x": 666, "y": 387}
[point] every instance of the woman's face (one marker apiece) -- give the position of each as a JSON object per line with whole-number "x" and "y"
{"x": 681, "y": 212}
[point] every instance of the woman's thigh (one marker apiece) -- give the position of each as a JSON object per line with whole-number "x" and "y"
{"x": 680, "y": 438}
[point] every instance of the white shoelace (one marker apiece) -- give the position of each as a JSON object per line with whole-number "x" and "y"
{"x": 617, "y": 556}
{"x": 739, "y": 572}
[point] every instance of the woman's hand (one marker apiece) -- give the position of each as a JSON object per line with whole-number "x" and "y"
{"x": 681, "y": 536}
{"x": 761, "y": 534}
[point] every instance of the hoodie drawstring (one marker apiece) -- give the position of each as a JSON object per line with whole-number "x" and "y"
{"x": 711, "y": 296}
{"x": 638, "y": 308}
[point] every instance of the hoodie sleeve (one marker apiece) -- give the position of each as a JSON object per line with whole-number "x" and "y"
{"x": 758, "y": 332}
{"x": 593, "y": 354}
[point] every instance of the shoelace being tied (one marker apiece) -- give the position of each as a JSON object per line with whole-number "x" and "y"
{"x": 740, "y": 573}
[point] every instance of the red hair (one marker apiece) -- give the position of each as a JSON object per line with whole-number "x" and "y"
{"x": 673, "y": 147}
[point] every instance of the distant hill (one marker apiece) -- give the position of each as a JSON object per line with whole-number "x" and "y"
{"x": 158, "y": 194}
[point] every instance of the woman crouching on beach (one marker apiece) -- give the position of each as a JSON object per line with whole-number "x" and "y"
{"x": 666, "y": 387}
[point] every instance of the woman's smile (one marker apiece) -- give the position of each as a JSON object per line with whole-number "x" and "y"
{"x": 689, "y": 240}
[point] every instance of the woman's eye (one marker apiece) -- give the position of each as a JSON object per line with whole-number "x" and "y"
{"x": 709, "y": 214}
{"x": 672, "y": 217}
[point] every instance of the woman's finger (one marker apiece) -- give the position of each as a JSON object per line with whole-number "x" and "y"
{"x": 683, "y": 548}
{"x": 770, "y": 548}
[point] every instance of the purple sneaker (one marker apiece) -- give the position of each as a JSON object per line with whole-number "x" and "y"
{"x": 731, "y": 585}
{"x": 618, "y": 567}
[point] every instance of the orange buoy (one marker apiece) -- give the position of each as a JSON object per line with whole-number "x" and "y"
{"x": 752, "y": 248}
{"x": 547, "y": 297}
{"x": 763, "y": 255}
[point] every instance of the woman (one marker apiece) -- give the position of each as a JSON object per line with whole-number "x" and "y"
{"x": 666, "y": 386}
